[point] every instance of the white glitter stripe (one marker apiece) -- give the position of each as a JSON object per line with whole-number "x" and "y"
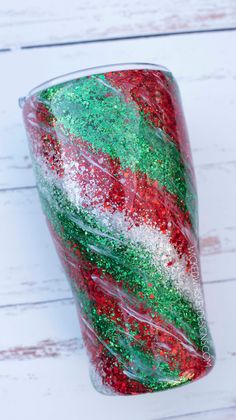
{"x": 164, "y": 255}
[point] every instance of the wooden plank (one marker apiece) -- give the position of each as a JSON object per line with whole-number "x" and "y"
{"x": 41, "y": 346}
{"x": 220, "y": 414}
{"x": 30, "y": 270}
{"x": 203, "y": 65}
{"x": 27, "y": 23}
{"x": 41, "y": 351}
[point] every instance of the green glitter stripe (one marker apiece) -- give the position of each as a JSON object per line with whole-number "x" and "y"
{"x": 128, "y": 264}
{"x": 131, "y": 354}
{"x": 125, "y": 261}
{"x": 90, "y": 109}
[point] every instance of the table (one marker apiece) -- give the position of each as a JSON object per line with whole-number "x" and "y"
{"x": 43, "y": 366}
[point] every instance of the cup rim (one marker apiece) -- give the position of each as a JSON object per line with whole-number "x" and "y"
{"x": 89, "y": 71}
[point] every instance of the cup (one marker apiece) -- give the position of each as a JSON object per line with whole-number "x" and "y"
{"x": 114, "y": 172}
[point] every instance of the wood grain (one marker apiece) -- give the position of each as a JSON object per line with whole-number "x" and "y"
{"x": 207, "y": 82}
{"x": 30, "y": 270}
{"x": 218, "y": 414}
{"x": 35, "y": 23}
{"x": 43, "y": 367}
{"x": 208, "y": 90}
{"x": 62, "y": 380}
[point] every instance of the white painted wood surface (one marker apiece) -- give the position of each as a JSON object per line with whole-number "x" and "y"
{"x": 43, "y": 367}
{"x": 27, "y": 22}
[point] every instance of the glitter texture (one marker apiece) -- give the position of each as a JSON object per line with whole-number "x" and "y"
{"x": 117, "y": 186}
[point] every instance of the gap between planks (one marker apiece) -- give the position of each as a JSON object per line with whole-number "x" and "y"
{"x": 72, "y": 300}
{"x": 200, "y": 413}
{"x": 118, "y": 38}
{"x": 54, "y": 23}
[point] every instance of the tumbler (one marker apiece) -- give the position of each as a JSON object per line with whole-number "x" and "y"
{"x": 114, "y": 173}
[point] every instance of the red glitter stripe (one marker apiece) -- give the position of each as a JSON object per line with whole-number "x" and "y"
{"x": 107, "y": 366}
{"x": 157, "y": 97}
{"x": 43, "y": 137}
{"x": 113, "y": 189}
{"x": 153, "y": 331}
{"x": 106, "y": 185}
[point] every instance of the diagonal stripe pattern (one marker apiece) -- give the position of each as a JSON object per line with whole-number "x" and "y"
{"x": 116, "y": 182}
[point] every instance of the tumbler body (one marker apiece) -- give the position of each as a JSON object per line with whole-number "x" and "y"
{"x": 115, "y": 177}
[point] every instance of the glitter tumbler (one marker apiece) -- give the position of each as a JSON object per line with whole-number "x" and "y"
{"x": 114, "y": 173}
